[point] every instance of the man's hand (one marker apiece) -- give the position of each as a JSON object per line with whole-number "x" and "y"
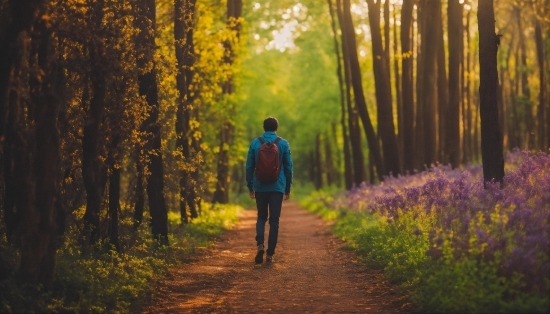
{"x": 252, "y": 194}
{"x": 287, "y": 196}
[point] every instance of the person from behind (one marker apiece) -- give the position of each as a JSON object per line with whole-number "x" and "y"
{"x": 268, "y": 178}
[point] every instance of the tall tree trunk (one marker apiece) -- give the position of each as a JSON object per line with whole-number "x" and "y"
{"x": 491, "y": 139}
{"x": 452, "y": 136}
{"x": 529, "y": 140}
{"x": 348, "y": 32}
{"x": 407, "y": 85}
{"x": 467, "y": 147}
{"x": 147, "y": 78}
{"x": 114, "y": 206}
{"x": 23, "y": 14}
{"x": 329, "y": 162}
{"x": 221, "y": 194}
{"x": 386, "y": 128}
{"x": 318, "y": 162}
{"x": 397, "y": 83}
{"x": 542, "y": 108}
{"x": 357, "y": 158}
{"x": 348, "y": 172}
{"x": 442, "y": 92}
{"x": 93, "y": 168}
{"x": 185, "y": 54}
{"x": 38, "y": 237}
{"x": 427, "y": 91}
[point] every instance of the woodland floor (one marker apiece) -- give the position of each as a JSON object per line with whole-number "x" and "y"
{"x": 312, "y": 272}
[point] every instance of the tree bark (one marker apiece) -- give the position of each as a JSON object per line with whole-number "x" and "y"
{"x": 529, "y": 139}
{"x": 491, "y": 139}
{"x": 356, "y": 80}
{"x": 23, "y": 14}
{"x": 397, "y": 82}
{"x": 348, "y": 172}
{"x": 114, "y": 206}
{"x": 407, "y": 86}
{"x": 357, "y": 158}
{"x": 221, "y": 194}
{"x": 427, "y": 92}
{"x": 146, "y": 21}
{"x": 93, "y": 169}
{"x": 386, "y": 128}
{"x": 38, "y": 238}
{"x": 185, "y": 54}
{"x": 452, "y": 138}
{"x": 442, "y": 92}
{"x": 542, "y": 108}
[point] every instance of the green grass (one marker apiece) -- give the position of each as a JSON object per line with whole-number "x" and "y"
{"x": 107, "y": 281}
{"x": 450, "y": 283}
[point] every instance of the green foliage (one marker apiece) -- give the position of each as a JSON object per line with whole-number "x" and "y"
{"x": 106, "y": 281}
{"x": 433, "y": 275}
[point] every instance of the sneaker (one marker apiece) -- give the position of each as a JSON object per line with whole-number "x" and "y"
{"x": 269, "y": 259}
{"x": 260, "y": 255}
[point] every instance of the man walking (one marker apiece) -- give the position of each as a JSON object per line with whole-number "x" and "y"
{"x": 268, "y": 178}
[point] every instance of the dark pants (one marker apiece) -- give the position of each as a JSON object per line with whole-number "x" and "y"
{"x": 269, "y": 205}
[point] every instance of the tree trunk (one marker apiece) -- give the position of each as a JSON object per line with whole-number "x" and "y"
{"x": 356, "y": 80}
{"x": 442, "y": 92}
{"x": 185, "y": 55}
{"x": 221, "y": 195}
{"x": 357, "y": 158}
{"x": 38, "y": 236}
{"x": 427, "y": 91}
{"x": 542, "y": 108}
{"x": 407, "y": 86}
{"x": 23, "y": 14}
{"x": 466, "y": 110}
{"x": 529, "y": 140}
{"x": 114, "y": 206}
{"x": 491, "y": 139}
{"x": 146, "y": 21}
{"x": 397, "y": 83}
{"x": 348, "y": 172}
{"x": 386, "y": 128}
{"x": 452, "y": 138}
{"x": 331, "y": 172}
{"x": 318, "y": 162}
{"x": 93, "y": 169}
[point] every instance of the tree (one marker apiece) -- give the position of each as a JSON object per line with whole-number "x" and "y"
{"x": 348, "y": 32}
{"x": 234, "y": 12}
{"x": 348, "y": 172}
{"x": 184, "y": 15}
{"x": 491, "y": 138}
{"x": 407, "y": 85}
{"x": 145, "y": 45}
{"x": 386, "y": 128}
{"x": 427, "y": 83}
{"x": 93, "y": 167}
{"x": 452, "y": 138}
{"x": 22, "y": 15}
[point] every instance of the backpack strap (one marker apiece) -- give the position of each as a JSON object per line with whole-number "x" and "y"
{"x": 261, "y": 139}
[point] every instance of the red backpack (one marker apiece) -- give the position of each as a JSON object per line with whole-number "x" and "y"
{"x": 267, "y": 165}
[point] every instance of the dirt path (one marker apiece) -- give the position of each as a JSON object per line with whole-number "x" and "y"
{"x": 311, "y": 274}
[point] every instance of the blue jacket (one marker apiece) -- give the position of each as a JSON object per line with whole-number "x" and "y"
{"x": 284, "y": 182}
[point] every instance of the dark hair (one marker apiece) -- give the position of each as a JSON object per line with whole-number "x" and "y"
{"x": 271, "y": 124}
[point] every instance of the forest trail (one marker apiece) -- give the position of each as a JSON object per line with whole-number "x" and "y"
{"x": 311, "y": 273}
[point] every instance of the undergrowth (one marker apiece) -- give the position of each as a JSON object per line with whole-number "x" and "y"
{"x": 102, "y": 280}
{"x": 430, "y": 267}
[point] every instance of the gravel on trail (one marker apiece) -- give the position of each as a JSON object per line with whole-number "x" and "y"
{"x": 312, "y": 272}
